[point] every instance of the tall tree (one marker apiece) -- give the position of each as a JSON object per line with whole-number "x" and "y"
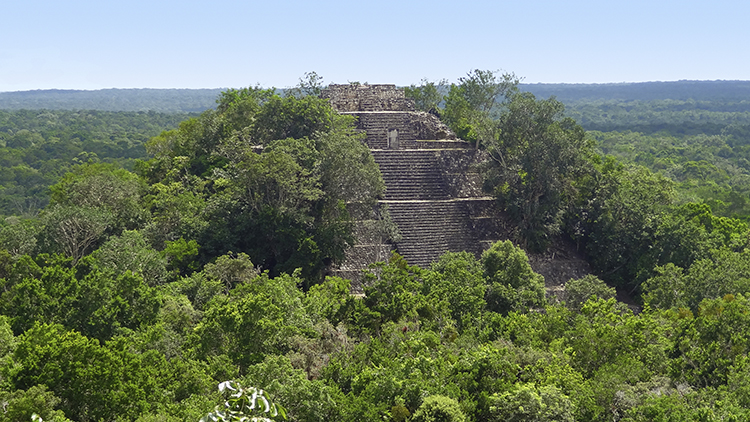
{"x": 105, "y": 187}
{"x": 512, "y": 283}
{"x": 428, "y": 96}
{"x": 534, "y": 161}
{"x": 74, "y": 230}
{"x": 311, "y": 84}
{"x": 279, "y": 179}
{"x": 473, "y": 106}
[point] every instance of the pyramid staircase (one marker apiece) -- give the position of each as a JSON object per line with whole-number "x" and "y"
{"x": 433, "y": 196}
{"x": 432, "y": 213}
{"x": 433, "y": 191}
{"x": 411, "y": 174}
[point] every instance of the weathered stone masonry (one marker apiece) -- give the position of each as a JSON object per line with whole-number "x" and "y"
{"x": 433, "y": 190}
{"x": 356, "y": 97}
{"x": 433, "y": 193}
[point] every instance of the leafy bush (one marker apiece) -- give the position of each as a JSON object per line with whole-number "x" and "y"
{"x": 578, "y": 291}
{"x": 513, "y": 285}
{"x": 528, "y": 403}
{"x": 439, "y": 409}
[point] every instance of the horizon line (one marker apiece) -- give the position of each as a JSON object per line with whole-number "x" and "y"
{"x": 289, "y": 87}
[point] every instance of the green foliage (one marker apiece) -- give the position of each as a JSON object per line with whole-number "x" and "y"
{"x": 311, "y": 84}
{"x": 23, "y": 406}
{"x": 691, "y": 232}
{"x": 87, "y": 377}
{"x": 666, "y": 289}
{"x": 231, "y": 270}
{"x": 74, "y": 230}
{"x": 513, "y": 285}
{"x": 394, "y": 292}
{"x": 474, "y": 104}
{"x": 89, "y": 299}
{"x": 457, "y": 282}
{"x": 397, "y": 368}
{"x": 330, "y": 300}
{"x": 439, "y": 409}
{"x": 177, "y": 219}
{"x": 304, "y": 399}
{"x": 710, "y": 343}
{"x": 616, "y": 217}
{"x": 578, "y": 291}
{"x": 106, "y": 187}
{"x": 7, "y": 340}
{"x": 291, "y": 117}
{"x": 738, "y": 382}
{"x": 712, "y": 167}
{"x": 180, "y": 255}
{"x": 141, "y": 323}
{"x": 534, "y": 161}
{"x": 198, "y": 288}
{"x": 685, "y": 116}
{"x": 706, "y": 405}
{"x": 256, "y": 319}
{"x": 106, "y": 382}
{"x": 604, "y": 333}
{"x": 129, "y": 252}
{"x": 276, "y": 178}
{"x": 529, "y": 403}
{"x": 428, "y": 96}
{"x": 106, "y": 302}
{"x": 19, "y": 237}
{"x": 37, "y": 147}
{"x": 725, "y": 272}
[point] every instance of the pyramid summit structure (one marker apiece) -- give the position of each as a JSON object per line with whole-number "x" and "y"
{"x": 433, "y": 187}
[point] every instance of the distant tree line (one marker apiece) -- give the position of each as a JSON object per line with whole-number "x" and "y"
{"x": 159, "y": 100}
{"x": 37, "y": 147}
{"x": 708, "y": 91}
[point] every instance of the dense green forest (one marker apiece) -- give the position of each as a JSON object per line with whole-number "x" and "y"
{"x": 704, "y": 147}
{"x": 696, "y": 133}
{"x": 158, "y": 100}
{"x": 149, "y": 279}
{"x": 199, "y": 100}
{"x": 722, "y": 91}
{"x": 37, "y": 147}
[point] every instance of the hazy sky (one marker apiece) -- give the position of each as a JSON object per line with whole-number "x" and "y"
{"x": 87, "y": 44}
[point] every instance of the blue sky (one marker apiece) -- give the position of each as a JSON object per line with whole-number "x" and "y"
{"x": 82, "y": 44}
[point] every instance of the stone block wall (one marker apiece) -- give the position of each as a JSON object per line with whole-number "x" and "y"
{"x": 385, "y": 114}
{"x": 460, "y": 168}
{"x": 378, "y": 125}
{"x": 374, "y": 242}
{"x": 412, "y": 130}
{"x": 357, "y": 97}
{"x": 429, "y": 228}
{"x": 426, "y": 230}
{"x": 428, "y": 126}
{"x": 430, "y": 173}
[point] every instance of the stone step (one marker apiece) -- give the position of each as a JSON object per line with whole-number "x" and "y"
{"x": 422, "y": 187}
{"x": 411, "y": 174}
{"x": 430, "y": 228}
{"x": 442, "y": 144}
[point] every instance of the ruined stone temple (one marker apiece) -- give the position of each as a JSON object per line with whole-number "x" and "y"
{"x": 433, "y": 189}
